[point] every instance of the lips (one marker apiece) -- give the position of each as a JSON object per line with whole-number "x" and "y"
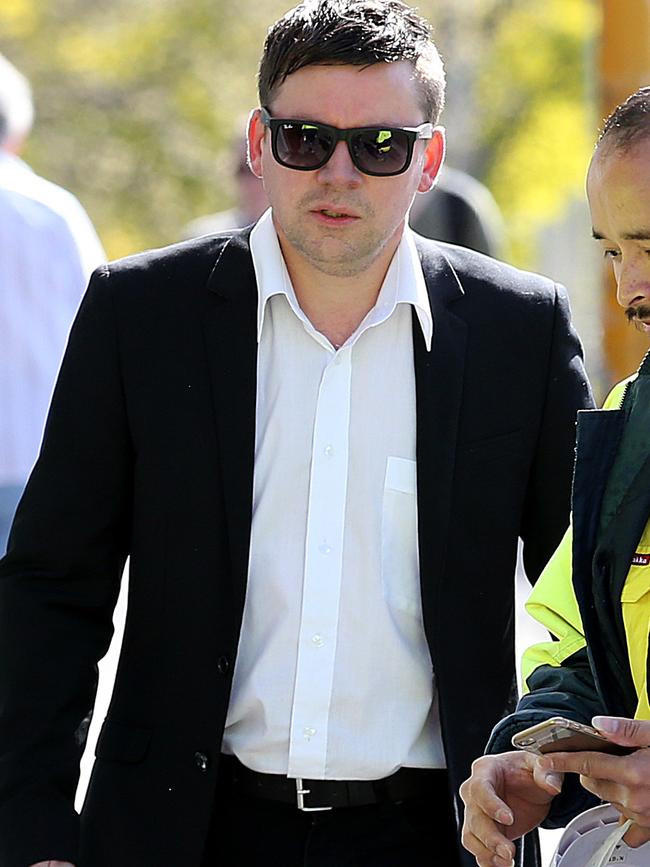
{"x": 335, "y": 212}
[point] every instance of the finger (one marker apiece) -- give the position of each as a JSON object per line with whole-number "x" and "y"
{"x": 620, "y": 730}
{"x": 600, "y": 766}
{"x": 549, "y": 781}
{"x": 489, "y": 833}
{"x": 637, "y": 836}
{"x": 486, "y": 857}
{"x": 479, "y": 795}
{"x": 605, "y": 790}
{"x": 489, "y": 803}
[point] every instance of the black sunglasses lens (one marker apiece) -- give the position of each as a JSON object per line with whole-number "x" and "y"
{"x": 381, "y": 151}
{"x": 302, "y": 145}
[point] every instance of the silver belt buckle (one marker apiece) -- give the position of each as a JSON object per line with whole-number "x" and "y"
{"x": 300, "y": 798}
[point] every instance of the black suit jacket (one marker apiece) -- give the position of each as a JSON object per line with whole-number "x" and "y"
{"x": 148, "y": 453}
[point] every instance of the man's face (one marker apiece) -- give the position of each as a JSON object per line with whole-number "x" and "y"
{"x": 618, "y": 188}
{"x": 336, "y": 218}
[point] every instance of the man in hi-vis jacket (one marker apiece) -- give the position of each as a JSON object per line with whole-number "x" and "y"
{"x": 594, "y": 595}
{"x": 318, "y": 440}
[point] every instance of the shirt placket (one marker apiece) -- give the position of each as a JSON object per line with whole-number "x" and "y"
{"x": 323, "y": 570}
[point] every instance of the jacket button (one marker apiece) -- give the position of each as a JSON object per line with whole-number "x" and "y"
{"x": 223, "y": 665}
{"x": 201, "y": 761}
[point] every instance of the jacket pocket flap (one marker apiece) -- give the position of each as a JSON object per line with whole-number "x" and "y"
{"x": 119, "y": 742}
{"x": 499, "y": 443}
{"x": 637, "y": 583}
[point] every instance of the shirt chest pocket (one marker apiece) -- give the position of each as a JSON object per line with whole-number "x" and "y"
{"x": 399, "y": 537}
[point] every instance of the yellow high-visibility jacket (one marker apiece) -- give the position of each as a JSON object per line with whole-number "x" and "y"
{"x": 594, "y": 594}
{"x": 553, "y": 603}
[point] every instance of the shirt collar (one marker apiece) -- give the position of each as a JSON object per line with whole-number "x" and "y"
{"x": 404, "y": 282}
{"x": 271, "y": 272}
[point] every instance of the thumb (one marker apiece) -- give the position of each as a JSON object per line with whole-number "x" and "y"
{"x": 549, "y": 781}
{"x": 626, "y": 732}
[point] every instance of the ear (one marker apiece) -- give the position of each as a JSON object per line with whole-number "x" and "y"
{"x": 255, "y": 132}
{"x": 434, "y": 155}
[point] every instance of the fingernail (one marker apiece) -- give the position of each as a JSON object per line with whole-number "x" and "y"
{"x": 606, "y": 723}
{"x": 505, "y": 818}
{"x": 554, "y": 781}
{"x": 504, "y": 852}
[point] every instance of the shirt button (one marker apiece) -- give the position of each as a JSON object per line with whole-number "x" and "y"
{"x": 201, "y": 761}
{"x": 309, "y": 732}
{"x": 223, "y": 665}
{"x": 324, "y": 549}
{"x": 328, "y": 451}
{"x": 317, "y": 640}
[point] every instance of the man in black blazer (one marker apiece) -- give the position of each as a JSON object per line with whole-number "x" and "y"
{"x": 318, "y": 442}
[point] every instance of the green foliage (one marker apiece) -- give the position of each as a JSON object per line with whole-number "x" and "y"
{"x": 138, "y": 101}
{"x": 537, "y": 127}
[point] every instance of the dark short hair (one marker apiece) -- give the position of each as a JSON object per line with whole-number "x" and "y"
{"x": 629, "y": 122}
{"x": 354, "y": 32}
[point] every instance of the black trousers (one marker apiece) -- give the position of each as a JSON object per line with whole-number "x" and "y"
{"x": 252, "y": 832}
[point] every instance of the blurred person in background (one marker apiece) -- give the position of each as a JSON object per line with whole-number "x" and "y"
{"x": 460, "y": 210}
{"x": 318, "y": 441}
{"x": 594, "y": 595}
{"x": 48, "y": 249}
{"x": 251, "y": 198}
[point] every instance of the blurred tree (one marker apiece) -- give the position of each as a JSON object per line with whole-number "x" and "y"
{"x": 137, "y": 102}
{"x": 537, "y": 112}
{"x": 520, "y": 109}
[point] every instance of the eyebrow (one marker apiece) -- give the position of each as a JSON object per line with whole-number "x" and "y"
{"x": 640, "y": 235}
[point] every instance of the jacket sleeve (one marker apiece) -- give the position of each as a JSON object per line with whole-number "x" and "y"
{"x": 557, "y": 676}
{"x": 546, "y": 507}
{"x": 58, "y": 587}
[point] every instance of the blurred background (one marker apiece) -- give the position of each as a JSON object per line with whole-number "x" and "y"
{"x": 138, "y": 101}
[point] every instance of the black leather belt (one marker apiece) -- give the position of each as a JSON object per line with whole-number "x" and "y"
{"x": 313, "y": 795}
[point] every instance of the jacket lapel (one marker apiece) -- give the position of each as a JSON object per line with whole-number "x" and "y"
{"x": 438, "y": 383}
{"x": 230, "y": 332}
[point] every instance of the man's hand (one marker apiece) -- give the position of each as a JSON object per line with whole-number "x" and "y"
{"x": 506, "y": 796}
{"x": 623, "y": 780}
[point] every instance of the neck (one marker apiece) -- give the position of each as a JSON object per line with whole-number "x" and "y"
{"x": 337, "y": 304}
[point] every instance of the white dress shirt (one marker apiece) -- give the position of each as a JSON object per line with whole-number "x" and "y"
{"x": 333, "y": 678}
{"x": 48, "y": 248}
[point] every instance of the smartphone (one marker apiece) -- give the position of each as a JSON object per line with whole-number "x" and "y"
{"x": 559, "y": 735}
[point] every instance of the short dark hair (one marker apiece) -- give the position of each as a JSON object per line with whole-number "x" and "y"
{"x": 629, "y": 122}
{"x": 354, "y": 32}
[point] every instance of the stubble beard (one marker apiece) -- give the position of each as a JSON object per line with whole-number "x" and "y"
{"x": 338, "y": 253}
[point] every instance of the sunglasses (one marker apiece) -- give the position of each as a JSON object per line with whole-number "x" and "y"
{"x": 305, "y": 145}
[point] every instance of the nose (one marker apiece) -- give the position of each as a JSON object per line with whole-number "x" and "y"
{"x": 633, "y": 280}
{"x": 339, "y": 170}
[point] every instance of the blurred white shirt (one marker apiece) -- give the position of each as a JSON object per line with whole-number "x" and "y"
{"x": 333, "y": 678}
{"x": 48, "y": 249}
